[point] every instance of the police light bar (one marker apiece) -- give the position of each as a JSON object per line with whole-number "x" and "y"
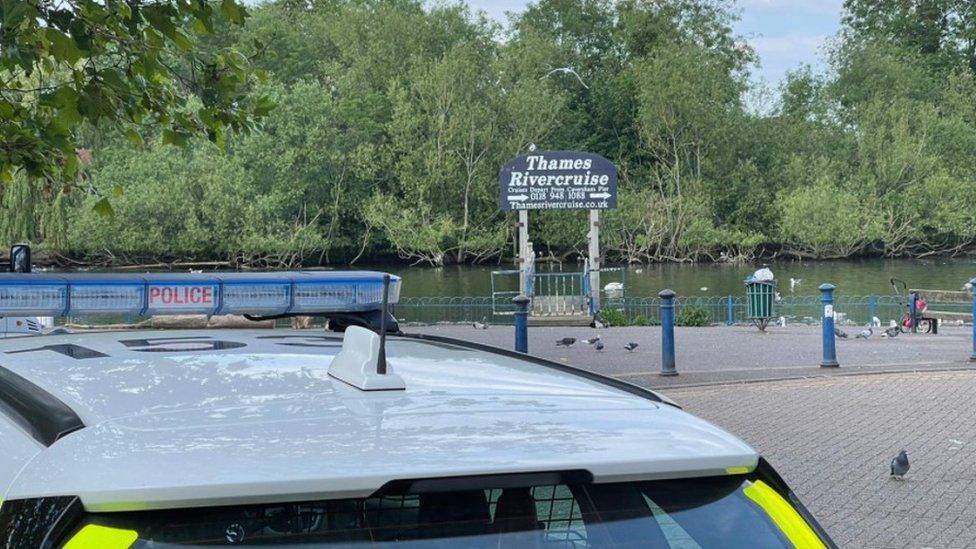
{"x": 256, "y": 294}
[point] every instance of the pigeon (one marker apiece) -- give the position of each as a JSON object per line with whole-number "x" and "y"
{"x": 565, "y": 342}
{"x": 481, "y": 325}
{"x": 875, "y": 321}
{"x": 900, "y": 466}
{"x": 840, "y": 333}
{"x": 864, "y": 334}
{"x": 630, "y": 347}
{"x": 592, "y": 340}
{"x": 598, "y": 324}
{"x": 598, "y": 346}
{"x": 891, "y": 332}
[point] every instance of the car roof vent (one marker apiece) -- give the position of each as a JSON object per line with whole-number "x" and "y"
{"x": 356, "y": 363}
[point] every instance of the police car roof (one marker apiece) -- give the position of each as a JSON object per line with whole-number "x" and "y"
{"x": 200, "y": 418}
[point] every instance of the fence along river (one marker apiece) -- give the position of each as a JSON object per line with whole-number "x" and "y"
{"x": 464, "y": 293}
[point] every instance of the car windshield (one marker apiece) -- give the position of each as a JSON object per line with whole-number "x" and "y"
{"x": 729, "y": 512}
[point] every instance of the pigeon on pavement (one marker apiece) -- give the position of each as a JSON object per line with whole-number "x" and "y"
{"x": 565, "y": 342}
{"x": 598, "y": 324}
{"x": 630, "y": 347}
{"x": 481, "y": 325}
{"x": 891, "y": 332}
{"x": 900, "y": 465}
{"x": 840, "y": 333}
{"x": 598, "y": 346}
{"x": 864, "y": 334}
{"x": 592, "y": 340}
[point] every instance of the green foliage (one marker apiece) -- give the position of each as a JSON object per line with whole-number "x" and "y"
{"x": 692, "y": 315}
{"x": 116, "y": 62}
{"x": 641, "y": 320}
{"x": 823, "y": 221}
{"x": 384, "y": 124}
{"x": 613, "y": 317}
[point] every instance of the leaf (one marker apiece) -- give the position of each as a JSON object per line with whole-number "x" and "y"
{"x": 134, "y": 137}
{"x": 14, "y": 12}
{"x": 124, "y": 10}
{"x": 63, "y": 47}
{"x": 104, "y": 208}
{"x": 200, "y": 27}
{"x": 171, "y": 137}
{"x": 263, "y": 106}
{"x": 233, "y": 11}
{"x": 182, "y": 40}
{"x": 70, "y": 168}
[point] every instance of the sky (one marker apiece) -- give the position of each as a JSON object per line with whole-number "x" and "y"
{"x": 785, "y": 33}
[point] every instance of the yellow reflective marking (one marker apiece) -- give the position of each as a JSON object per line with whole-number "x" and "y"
{"x": 738, "y": 470}
{"x": 93, "y": 536}
{"x": 787, "y": 519}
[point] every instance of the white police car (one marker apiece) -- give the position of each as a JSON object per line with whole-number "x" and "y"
{"x": 298, "y": 438}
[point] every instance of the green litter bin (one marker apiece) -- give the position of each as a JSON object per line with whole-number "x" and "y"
{"x": 760, "y": 301}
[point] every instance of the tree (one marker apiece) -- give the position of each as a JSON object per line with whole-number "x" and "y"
{"x": 825, "y": 221}
{"x": 455, "y": 122}
{"x": 942, "y": 31}
{"x": 119, "y": 62}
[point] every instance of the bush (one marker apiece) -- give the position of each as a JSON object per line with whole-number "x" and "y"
{"x": 691, "y": 315}
{"x": 613, "y": 317}
{"x": 641, "y": 320}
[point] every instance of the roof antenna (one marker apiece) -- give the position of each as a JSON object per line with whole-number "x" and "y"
{"x": 381, "y": 358}
{"x": 362, "y": 360}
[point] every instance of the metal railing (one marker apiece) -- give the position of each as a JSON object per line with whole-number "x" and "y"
{"x": 721, "y": 309}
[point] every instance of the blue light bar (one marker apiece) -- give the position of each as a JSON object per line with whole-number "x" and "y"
{"x": 258, "y": 294}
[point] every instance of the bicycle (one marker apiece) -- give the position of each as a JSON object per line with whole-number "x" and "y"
{"x": 924, "y": 325}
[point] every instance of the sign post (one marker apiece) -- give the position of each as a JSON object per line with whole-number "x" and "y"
{"x": 594, "y": 262}
{"x": 559, "y": 180}
{"x": 523, "y": 247}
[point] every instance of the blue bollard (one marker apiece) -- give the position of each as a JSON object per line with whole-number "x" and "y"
{"x": 522, "y": 323}
{"x": 972, "y": 356}
{"x": 731, "y": 313}
{"x": 872, "y": 307}
{"x": 667, "y": 333}
{"x": 827, "y": 316}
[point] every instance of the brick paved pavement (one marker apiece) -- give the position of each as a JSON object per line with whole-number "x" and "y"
{"x": 832, "y": 439}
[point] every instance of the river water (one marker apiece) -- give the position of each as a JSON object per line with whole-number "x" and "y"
{"x": 852, "y": 277}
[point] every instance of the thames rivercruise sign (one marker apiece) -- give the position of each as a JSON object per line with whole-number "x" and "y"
{"x": 558, "y": 180}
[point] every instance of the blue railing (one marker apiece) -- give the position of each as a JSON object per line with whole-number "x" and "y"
{"x": 720, "y": 309}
